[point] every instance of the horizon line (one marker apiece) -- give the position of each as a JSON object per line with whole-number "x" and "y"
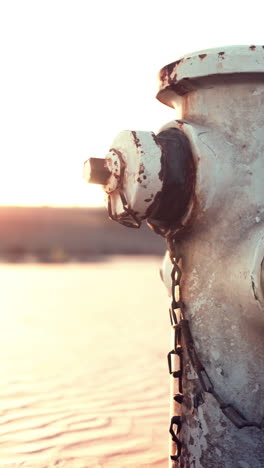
{"x": 52, "y": 206}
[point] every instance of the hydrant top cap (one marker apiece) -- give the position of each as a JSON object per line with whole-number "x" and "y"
{"x": 185, "y": 75}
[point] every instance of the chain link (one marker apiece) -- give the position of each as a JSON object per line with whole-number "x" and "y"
{"x": 175, "y": 355}
{"x": 182, "y": 339}
{"x": 128, "y": 218}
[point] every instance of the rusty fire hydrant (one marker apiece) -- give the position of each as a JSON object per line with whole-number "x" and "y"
{"x": 200, "y": 184}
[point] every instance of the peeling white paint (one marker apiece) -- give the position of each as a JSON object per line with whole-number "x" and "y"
{"x": 222, "y": 254}
{"x": 224, "y": 248}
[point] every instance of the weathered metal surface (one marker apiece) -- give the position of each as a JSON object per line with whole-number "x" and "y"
{"x": 196, "y": 70}
{"x": 146, "y": 176}
{"x": 219, "y": 94}
{"x": 222, "y": 249}
{"x": 136, "y": 157}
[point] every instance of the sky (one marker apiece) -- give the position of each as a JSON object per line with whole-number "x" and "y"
{"x": 75, "y": 73}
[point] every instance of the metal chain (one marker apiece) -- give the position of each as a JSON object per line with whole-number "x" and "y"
{"x": 128, "y": 217}
{"x": 182, "y": 337}
{"x": 175, "y": 355}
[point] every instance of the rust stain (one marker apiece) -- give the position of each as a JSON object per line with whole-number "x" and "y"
{"x": 202, "y": 56}
{"x": 166, "y": 72}
{"x": 178, "y": 62}
{"x": 139, "y": 180}
{"x": 136, "y": 139}
{"x": 155, "y": 139}
{"x": 118, "y": 154}
{"x": 162, "y": 76}
{"x": 153, "y": 204}
{"x": 180, "y": 124}
{"x": 253, "y": 47}
{"x": 141, "y": 169}
{"x": 186, "y": 106}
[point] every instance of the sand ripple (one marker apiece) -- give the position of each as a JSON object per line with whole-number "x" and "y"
{"x": 81, "y": 389}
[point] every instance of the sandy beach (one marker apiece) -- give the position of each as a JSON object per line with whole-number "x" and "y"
{"x": 84, "y": 374}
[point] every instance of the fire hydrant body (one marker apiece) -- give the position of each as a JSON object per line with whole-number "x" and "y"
{"x": 219, "y": 237}
{"x": 222, "y": 252}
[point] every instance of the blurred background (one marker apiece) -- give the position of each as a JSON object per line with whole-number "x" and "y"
{"x": 84, "y": 327}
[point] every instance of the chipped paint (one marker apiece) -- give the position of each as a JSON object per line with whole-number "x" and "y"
{"x": 222, "y": 252}
{"x": 183, "y": 76}
{"x": 141, "y": 169}
{"x": 166, "y": 74}
{"x": 220, "y": 240}
{"x": 136, "y": 139}
{"x": 114, "y": 162}
{"x": 138, "y": 179}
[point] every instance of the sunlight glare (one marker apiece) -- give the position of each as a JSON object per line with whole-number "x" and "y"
{"x": 71, "y": 82}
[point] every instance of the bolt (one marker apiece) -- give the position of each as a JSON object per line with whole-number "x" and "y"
{"x": 96, "y": 171}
